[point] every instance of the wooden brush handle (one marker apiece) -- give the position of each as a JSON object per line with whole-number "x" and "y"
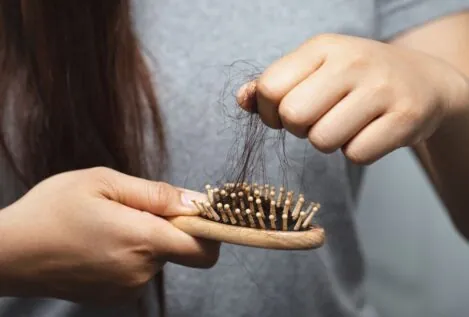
{"x": 267, "y": 239}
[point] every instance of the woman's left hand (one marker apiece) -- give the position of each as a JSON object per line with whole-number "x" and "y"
{"x": 365, "y": 97}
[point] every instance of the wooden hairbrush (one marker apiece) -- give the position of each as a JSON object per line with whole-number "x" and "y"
{"x": 253, "y": 215}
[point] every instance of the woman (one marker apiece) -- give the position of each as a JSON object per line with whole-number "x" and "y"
{"x": 79, "y": 236}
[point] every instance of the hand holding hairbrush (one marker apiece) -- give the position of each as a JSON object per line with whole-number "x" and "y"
{"x": 253, "y": 215}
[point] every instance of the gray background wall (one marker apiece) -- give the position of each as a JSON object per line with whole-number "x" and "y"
{"x": 418, "y": 264}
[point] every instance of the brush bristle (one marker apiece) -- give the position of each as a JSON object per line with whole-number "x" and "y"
{"x": 257, "y": 206}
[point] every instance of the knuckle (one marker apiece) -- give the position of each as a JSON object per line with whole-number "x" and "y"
{"x": 409, "y": 116}
{"x": 349, "y": 61}
{"x": 356, "y": 156}
{"x": 100, "y": 170}
{"x": 269, "y": 88}
{"x": 99, "y": 174}
{"x": 290, "y": 115}
{"x": 410, "y": 99}
{"x": 320, "y": 141}
{"x": 325, "y": 38}
{"x": 159, "y": 192}
{"x": 381, "y": 87}
{"x": 356, "y": 60}
{"x": 102, "y": 178}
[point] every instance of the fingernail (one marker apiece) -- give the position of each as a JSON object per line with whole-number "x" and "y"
{"x": 188, "y": 197}
{"x": 245, "y": 96}
{"x": 246, "y": 91}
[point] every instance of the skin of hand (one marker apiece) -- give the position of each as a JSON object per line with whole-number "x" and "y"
{"x": 95, "y": 235}
{"x": 364, "y": 97}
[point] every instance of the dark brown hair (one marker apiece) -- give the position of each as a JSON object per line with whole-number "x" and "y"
{"x": 75, "y": 91}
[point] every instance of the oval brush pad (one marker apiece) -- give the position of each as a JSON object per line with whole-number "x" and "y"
{"x": 255, "y": 216}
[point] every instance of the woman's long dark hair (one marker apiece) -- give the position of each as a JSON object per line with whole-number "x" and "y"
{"x": 75, "y": 91}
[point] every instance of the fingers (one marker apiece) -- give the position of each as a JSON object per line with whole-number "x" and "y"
{"x": 281, "y": 77}
{"x": 306, "y": 103}
{"x": 155, "y": 197}
{"x": 204, "y": 254}
{"x": 171, "y": 244}
{"x": 246, "y": 97}
{"x": 345, "y": 119}
{"x": 166, "y": 242}
{"x": 377, "y": 139}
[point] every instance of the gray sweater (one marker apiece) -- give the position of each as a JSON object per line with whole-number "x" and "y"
{"x": 194, "y": 44}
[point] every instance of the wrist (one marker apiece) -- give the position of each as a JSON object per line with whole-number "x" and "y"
{"x": 4, "y": 253}
{"x": 456, "y": 105}
{"x": 10, "y": 255}
{"x": 6, "y": 263}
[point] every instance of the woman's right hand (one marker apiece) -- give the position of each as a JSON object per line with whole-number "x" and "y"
{"x": 95, "y": 235}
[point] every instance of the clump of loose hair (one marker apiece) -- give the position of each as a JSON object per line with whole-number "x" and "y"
{"x": 246, "y": 158}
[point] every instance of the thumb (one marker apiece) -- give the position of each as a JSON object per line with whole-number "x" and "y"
{"x": 155, "y": 197}
{"x": 246, "y": 97}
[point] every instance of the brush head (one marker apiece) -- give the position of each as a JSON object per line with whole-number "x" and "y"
{"x": 258, "y": 206}
{"x": 253, "y": 215}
